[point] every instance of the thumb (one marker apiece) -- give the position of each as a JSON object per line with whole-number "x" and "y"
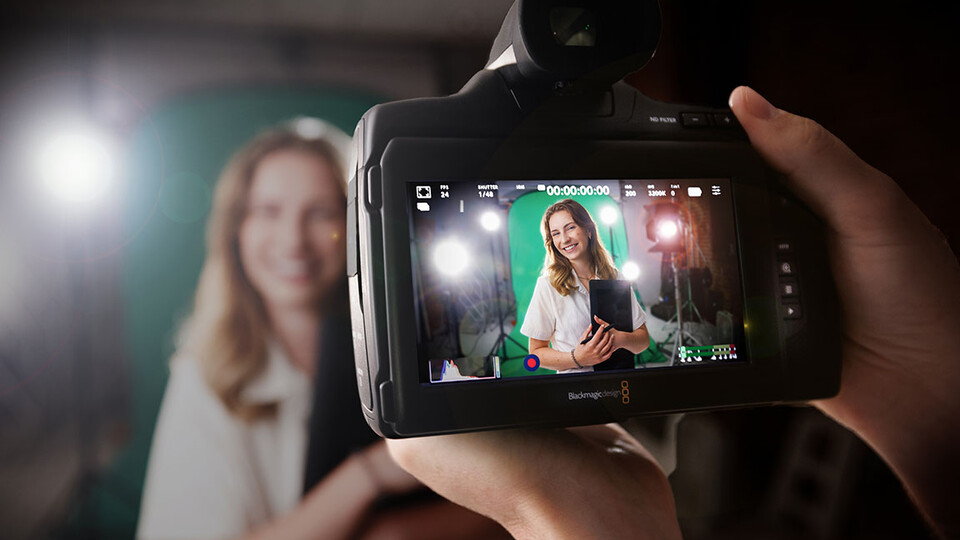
{"x": 854, "y": 198}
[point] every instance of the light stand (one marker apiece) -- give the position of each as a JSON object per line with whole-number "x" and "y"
{"x": 670, "y": 230}
{"x": 492, "y": 224}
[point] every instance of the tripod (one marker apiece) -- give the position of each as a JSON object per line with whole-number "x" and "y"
{"x": 680, "y": 333}
{"x": 500, "y": 345}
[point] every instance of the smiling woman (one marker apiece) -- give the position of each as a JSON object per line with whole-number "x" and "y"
{"x": 558, "y": 320}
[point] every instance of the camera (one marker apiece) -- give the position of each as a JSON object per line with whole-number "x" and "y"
{"x": 487, "y": 228}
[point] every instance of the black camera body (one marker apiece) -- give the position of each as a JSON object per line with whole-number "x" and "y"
{"x": 437, "y": 327}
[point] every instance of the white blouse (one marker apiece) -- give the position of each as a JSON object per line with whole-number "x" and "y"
{"x": 211, "y": 475}
{"x": 561, "y": 320}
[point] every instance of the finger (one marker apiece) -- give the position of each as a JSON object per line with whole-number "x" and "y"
{"x": 597, "y": 337}
{"x": 608, "y": 337}
{"x": 853, "y": 197}
{"x": 600, "y": 321}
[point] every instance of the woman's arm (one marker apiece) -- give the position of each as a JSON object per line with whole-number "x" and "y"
{"x": 335, "y": 507}
{"x": 591, "y": 353}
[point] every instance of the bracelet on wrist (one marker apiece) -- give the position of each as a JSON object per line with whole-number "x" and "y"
{"x": 574, "y": 358}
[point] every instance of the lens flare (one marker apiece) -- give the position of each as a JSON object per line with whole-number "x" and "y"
{"x": 490, "y": 221}
{"x": 451, "y": 258}
{"x": 631, "y": 270}
{"x": 608, "y": 215}
{"x": 76, "y": 166}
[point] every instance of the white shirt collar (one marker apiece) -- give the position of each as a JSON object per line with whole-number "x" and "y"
{"x": 580, "y": 286}
{"x": 279, "y": 380}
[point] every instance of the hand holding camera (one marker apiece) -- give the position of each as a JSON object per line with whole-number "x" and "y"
{"x": 907, "y": 423}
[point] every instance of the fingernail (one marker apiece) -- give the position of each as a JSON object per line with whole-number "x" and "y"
{"x": 755, "y": 104}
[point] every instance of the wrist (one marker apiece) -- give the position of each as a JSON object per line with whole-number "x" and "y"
{"x": 573, "y": 356}
{"x": 549, "y": 517}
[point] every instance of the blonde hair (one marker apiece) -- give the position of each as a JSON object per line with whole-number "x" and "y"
{"x": 227, "y": 330}
{"x": 559, "y": 269}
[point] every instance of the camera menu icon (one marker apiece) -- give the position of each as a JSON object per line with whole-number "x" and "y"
{"x": 424, "y": 192}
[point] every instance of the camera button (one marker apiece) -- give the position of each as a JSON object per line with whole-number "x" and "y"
{"x": 387, "y": 409}
{"x": 725, "y": 119}
{"x": 789, "y": 288}
{"x": 374, "y": 192}
{"x": 786, "y": 267}
{"x": 693, "y": 119}
{"x": 791, "y": 311}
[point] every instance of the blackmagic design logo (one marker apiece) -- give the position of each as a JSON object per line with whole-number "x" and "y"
{"x": 623, "y": 393}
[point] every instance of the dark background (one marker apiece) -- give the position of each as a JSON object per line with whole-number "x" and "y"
{"x": 82, "y": 367}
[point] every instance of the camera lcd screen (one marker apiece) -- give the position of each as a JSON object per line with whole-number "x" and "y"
{"x": 491, "y": 291}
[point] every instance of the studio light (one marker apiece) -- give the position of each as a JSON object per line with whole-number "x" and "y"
{"x": 490, "y": 220}
{"x": 667, "y": 229}
{"x": 76, "y": 166}
{"x": 665, "y": 226}
{"x": 451, "y": 258}
{"x": 631, "y": 270}
{"x": 608, "y": 215}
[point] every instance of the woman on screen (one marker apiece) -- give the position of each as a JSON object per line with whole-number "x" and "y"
{"x": 558, "y": 318}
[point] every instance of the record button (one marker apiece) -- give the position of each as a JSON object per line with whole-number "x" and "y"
{"x": 531, "y": 362}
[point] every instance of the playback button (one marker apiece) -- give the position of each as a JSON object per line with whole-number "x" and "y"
{"x": 791, "y": 311}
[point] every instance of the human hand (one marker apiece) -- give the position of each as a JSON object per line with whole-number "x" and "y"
{"x": 598, "y": 349}
{"x": 588, "y": 482}
{"x": 387, "y": 477}
{"x": 616, "y": 336}
{"x": 899, "y": 286}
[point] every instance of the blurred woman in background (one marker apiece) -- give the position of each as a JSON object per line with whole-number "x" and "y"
{"x": 230, "y": 445}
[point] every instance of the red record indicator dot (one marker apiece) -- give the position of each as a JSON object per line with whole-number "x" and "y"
{"x": 531, "y": 362}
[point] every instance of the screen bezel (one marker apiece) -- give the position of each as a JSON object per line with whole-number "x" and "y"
{"x": 422, "y": 409}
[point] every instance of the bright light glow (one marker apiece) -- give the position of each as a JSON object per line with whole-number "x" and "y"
{"x": 451, "y": 257}
{"x": 490, "y": 221}
{"x": 310, "y": 128}
{"x": 608, "y": 215}
{"x": 76, "y": 166}
{"x": 667, "y": 229}
{"x": 630, "y": 270}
